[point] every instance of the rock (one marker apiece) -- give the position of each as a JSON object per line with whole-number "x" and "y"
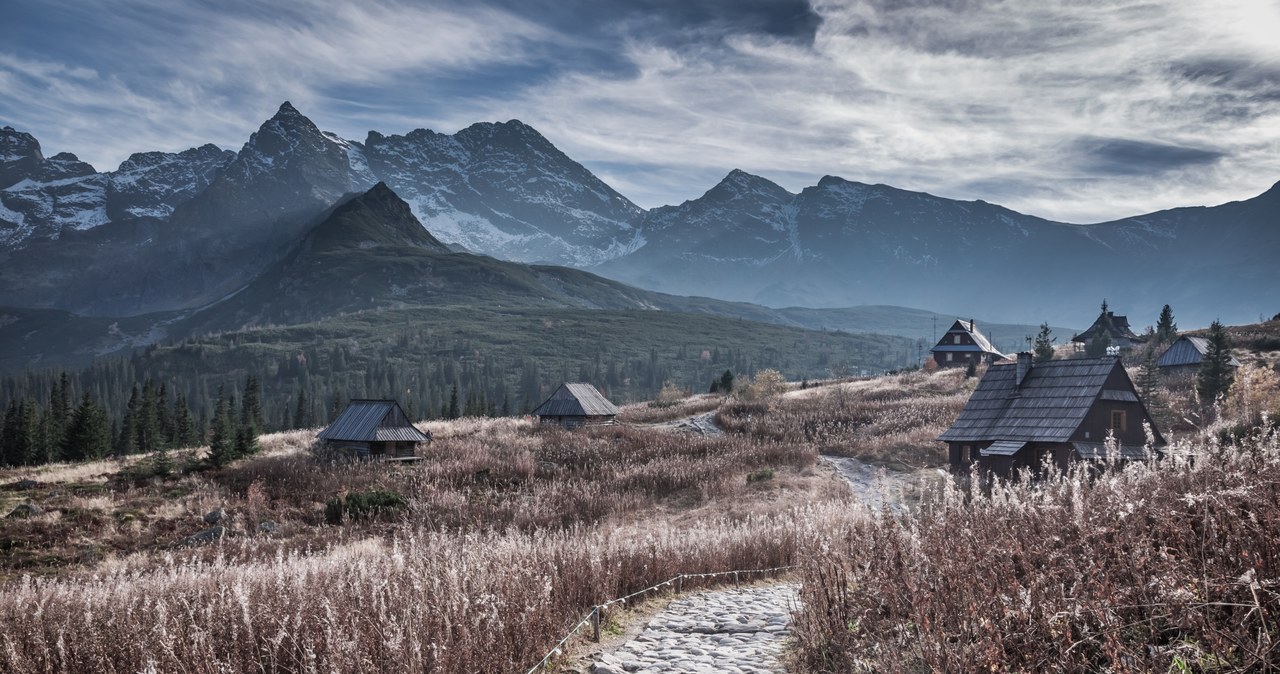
{"x": 24, "y": 510}
{"x": 24, "y": 485}
{"x": 213, "y": 516}
{"x": 209, "y": 535}
{"x": 268, "y": 527}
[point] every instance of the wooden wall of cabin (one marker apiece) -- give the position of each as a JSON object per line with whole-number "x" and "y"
{"x": 1098, "y": 420}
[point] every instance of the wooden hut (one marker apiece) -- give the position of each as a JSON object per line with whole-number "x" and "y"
{"x": 1025, "y": 413}
{"x": 964, "y": 344}
{"x": 1115, "y": 327}
{"x": 574, "y": 405}
{"x": 374, "y": 429}
{"x": 1184, "y": 356}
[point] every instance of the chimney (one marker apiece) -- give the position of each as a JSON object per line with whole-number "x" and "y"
{"x": 1024, "y": 367}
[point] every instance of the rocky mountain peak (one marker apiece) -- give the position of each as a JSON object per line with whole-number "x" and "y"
{"x": 378, "y": 217}
{"x": 739, "y": 184}
{"x": 20, "y": 156}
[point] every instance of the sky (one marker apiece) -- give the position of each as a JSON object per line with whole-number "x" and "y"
{"x": 1074, "y": 110}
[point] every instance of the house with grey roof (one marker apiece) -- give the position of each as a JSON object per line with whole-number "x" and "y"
{"x": 1116, "y": 329}
{"x": 374, "y": 429}
{"x": 574, "y": 405}
{"x": 1184, "y": 356}
{"x": 964, "y": 344}
{"x": 1023, "y": 414}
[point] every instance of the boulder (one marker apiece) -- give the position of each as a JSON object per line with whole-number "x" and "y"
{"x": 214, "y": 516}
{"x": 210, "y": 535}
{"x": 24, "y": 510}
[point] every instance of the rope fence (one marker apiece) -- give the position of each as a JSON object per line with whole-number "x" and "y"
{"x": 595, "y": 616}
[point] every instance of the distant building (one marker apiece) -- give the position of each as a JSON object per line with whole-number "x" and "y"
{"x": 574, "y": 405}
{"x": 1185, "y": 355}
{"x": 374, "y": 429}
{"x": 964, "y": 344}
{"x": 1025, "y": 413}
{"x": 1115, "y": 327}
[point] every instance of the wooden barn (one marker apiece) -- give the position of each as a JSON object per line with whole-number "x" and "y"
{"x": 1115, "y": 327}
{"x": 1025, "y": 413}
{"x": 964, "y": 344}
{"x": 1184, "y": 356}
{"x": 374, "y": 429}
{"x": 574, "y": 405}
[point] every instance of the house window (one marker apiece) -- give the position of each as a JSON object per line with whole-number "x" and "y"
{"x": 949, "y": 355}
{"x": 1118, "y": 422}
{"x": 964, "y": 453}
{"x": 957, "y": 339}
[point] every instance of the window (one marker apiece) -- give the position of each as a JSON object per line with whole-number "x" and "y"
{"x": 957, "y": 339}
{"x": 1118, "y": 422}
{"x": 949, "y": 356}
{"x": 964, "y": 453}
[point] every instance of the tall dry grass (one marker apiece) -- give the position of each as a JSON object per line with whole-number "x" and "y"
{"x": 1162, "y": 567}
{"x": 891, "y": 420}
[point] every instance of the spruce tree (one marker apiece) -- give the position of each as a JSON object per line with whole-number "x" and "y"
{"x": 453, "y": 412}
{"x": 251, "y": 411}
{"x": 184, "y": 434}
{"x": 1097, "y": 347}
{"x": 1166, "y": 329}
{"x": 301, "y": 415}
{"x": 1216, "y": 374}
{"x": 59, "y": 415}
{"x": 127, "y": 440}
{"x": 726, "y": 382}
{"x": 222, "y": 437}
{"x": 1044, "y": 344}
{"x": 1148, "y": 384}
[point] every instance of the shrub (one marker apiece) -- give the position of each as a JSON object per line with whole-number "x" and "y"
{"x": 363, "y": 504}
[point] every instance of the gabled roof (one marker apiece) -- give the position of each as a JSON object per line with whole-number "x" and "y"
{"x": 1049, "y": 406}
{"x": 1188, "y": 350}
{"x": 980, "y": 341}
{"x": 372, "y": 421}
{"x": 576, "y": 400}
{"x": 1116, "y": 327}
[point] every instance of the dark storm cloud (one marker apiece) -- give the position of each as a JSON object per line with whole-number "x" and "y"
{"x": 1121, "y": 156}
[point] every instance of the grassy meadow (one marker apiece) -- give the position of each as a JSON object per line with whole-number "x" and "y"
{"x": 480, "y": 557}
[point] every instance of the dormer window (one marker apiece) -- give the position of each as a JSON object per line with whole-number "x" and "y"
{"x": 957, "y": 339}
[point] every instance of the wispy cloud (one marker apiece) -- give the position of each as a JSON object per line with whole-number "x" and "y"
{"x": 1081, "y": 111}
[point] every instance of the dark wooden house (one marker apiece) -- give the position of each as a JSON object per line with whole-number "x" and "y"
{"x": 574, "y": 405}
{"x": 1184, "y": 356}
{"x": 1115, "y": 327}
{"x": 374, "y": 429}
{"x": 1025, "y": 413}
{"x": 964, "y": 344}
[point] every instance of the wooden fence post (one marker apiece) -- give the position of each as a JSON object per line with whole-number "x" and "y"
{"x": 735, "y": 580}
{"x": 679, "y": 583}
{"x": 595, "y": 624}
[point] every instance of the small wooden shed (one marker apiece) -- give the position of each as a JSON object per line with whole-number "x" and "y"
{"x": 1025, "y": 413}
{"x": 374, "y": 429}
{"x": 1184, "y": 356}
{"x": 574, "y": 405}
{"x": 964, "y": 344}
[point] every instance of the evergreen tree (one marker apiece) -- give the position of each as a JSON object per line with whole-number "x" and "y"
{"x": 1166, "y": 329}
{"x": 301, "y": 415}
{"x": 11, "y": 450}
{"x": 1216, "y": 374}
{"x": 453, "y": 412}
{"x": 183, "y": 428}
{"x": 88, "y": 435}
{"x": 1097, "y": 347}
{"x": 126, "y": 442}
{"x": 971, "y": 370}
{"x": 1148, "y": 384}
{"x": 251, "y": 410}
{"x": 59, "y": 414}
{"x": 1044, "y": 344}
{"x": 222, "y": 438}
{"x": 147, "y": 420}
{"x": 726, "y": 382}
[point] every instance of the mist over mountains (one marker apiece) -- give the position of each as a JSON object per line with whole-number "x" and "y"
{"x": 184, "y": 231}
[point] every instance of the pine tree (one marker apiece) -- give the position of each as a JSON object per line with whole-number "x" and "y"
{"x": 88, "y": 435}
{"x": 251, "y": 411}
{"x": 127, "y": 441}
{"x": 726, "y": 382}
{"x": 1044, "y": 344}
{"x": 1216, "y": 374}
{"x": 11, "y": 450}
{"x": 183, "y": 428}
{"x": 222, "y": 438}
{"x": 1166, "y": 329}
{"x": 1097, "y": 347}
{"x": 453, "y": 411}
{"x": 59, "y": 415}
{"x": 301, "y": 415}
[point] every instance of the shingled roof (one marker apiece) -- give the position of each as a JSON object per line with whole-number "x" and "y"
{"x": 980, "y": 341}
{"x": 1048, "y": 406}
{"x": 576, "y": 400}
{"x": 1116, "y": 327}
{"x": 372, "y": 421}
{"x": 1188, "y": 350}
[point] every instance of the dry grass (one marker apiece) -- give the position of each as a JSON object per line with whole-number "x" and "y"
{"x": 649, "y": 413}
{"x": 892, "y": 420}
{"x": 1166, "y": 567}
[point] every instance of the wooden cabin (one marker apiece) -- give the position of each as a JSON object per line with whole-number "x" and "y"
{"x": 964, "y": 344}
{"x": 374, "y": 429}
{"x": 1184, "y": 356}
{"x": 1024, "y": 413}
{"x": 574, "y": 405}
{"x": 1115, "y": 327}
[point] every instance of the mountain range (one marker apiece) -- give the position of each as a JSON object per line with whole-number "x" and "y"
{"x": 194, "y": 230}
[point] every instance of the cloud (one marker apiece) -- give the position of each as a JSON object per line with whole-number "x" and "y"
{"x": 1068, "y": 109}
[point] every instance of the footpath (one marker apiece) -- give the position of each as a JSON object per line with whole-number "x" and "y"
{"x": 734, "y": 631}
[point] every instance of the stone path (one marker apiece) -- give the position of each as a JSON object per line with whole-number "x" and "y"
{"x": 739, "y": 631}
